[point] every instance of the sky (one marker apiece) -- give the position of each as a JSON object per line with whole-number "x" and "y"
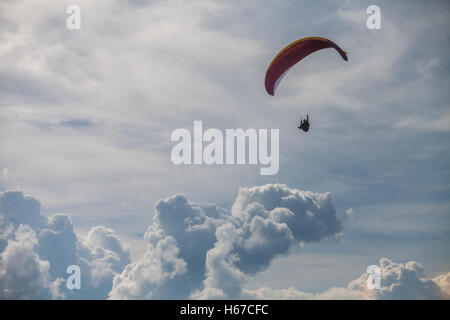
{"x": 85, "y": 123}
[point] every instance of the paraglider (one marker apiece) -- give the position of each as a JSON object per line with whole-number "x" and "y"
{"x": 292, "y": 54}
{"x": 304, "y": 124}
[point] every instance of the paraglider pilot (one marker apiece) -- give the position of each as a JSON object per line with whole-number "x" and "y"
{"x": 304, "y": 124}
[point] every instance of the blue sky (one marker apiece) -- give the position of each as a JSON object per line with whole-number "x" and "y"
{"x": 86, "y": 118}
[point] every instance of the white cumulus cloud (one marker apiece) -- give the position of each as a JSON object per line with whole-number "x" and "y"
{"x": 215, "y": 250}
{"x": 35, "y": 252}
{"x": 397, "y": 280}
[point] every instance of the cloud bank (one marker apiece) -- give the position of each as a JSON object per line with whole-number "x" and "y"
{"x": 198, "y": 251}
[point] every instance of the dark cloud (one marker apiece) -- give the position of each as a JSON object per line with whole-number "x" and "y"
{"x": 77, "y": 123}
{"x": 17, "y": 208}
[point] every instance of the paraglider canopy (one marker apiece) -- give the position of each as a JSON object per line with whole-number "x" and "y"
{"x": 292, "y": 54}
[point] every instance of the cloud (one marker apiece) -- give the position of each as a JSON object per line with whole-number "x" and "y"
{"x": 47, "y": 247}
{"x": 291, "y": 293}
{"x": 443, "y": 281}
{"x": 177, "y": 242}
{"x": 103, "y": 241}
{"x": 221, "y": 249}
{"x": 398, "y": 281}
{"x": 349, "y": 213}
{"x": 23, "y": 274}
{"x": 310, "y": 216}
{"x": 223, "y": 278}
{"x": 151, "y": 277}
{"x": 440, "y": 124}
{"x": 71, "y": 91}
{"x": 266, "y": 221}
{"x": 19, "y": 209}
